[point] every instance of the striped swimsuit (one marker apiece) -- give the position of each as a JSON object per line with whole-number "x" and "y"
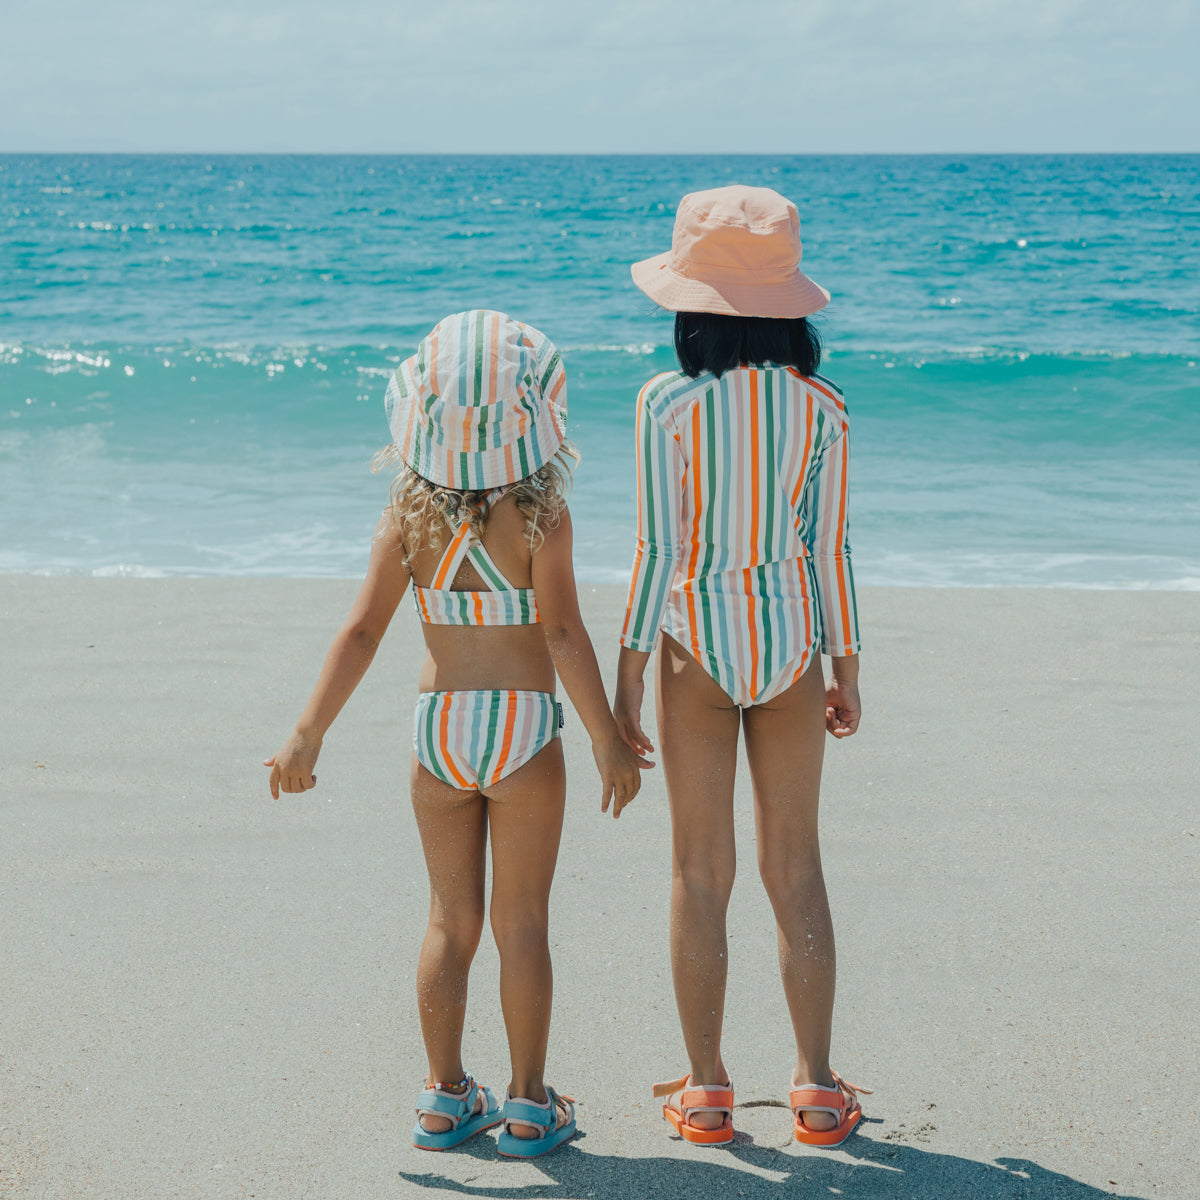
{"x": 743, "y": 554}
{"x": 473, "y": 739}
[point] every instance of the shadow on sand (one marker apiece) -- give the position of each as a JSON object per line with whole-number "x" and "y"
{"x": 881, "y": 1169}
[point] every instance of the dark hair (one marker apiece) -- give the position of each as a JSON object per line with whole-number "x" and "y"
{"x": 718, "y": 343}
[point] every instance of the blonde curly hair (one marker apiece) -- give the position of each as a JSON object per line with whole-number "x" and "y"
{"x": 419, "y": 508}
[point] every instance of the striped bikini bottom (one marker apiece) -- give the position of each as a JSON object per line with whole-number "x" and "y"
{"x": 471, "y": 740}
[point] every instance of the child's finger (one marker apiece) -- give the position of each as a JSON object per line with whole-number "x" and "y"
{"x": 605, "y": 796}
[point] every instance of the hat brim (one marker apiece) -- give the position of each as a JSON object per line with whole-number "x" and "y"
{"x": 796, "y": 296}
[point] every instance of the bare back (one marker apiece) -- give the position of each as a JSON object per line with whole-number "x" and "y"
{"x": 466, "y": 657}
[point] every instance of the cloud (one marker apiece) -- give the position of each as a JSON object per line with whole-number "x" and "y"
{"x": 653, "y": 75}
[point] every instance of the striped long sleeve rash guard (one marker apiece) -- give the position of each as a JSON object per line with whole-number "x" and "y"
{"x": 743, "y": 552}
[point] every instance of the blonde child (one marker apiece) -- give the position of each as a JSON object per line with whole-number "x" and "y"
{"x": 743, "y": 568}
{"x": 478, "y": 524}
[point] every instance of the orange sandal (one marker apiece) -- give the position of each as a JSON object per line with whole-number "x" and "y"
{"x": 840, "y": 1102}
{"x": 717, "y": 1098}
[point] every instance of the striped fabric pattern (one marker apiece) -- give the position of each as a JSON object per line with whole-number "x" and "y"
{"x": 473, "y": 739}
{"x": 499, "y": 604}
{"x": 483, "y": 402}
{"x": 743, "y": 551}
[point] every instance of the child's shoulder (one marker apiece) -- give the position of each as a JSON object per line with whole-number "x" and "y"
{"x": 828, "y": 396}
{"x": 667, "y": 390}
{"x": 827, "y": 390}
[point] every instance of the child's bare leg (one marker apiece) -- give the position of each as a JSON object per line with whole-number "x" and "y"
{"x": 453, "y": 828}
{"x": 698, "y": 732}
{"x": 785, "y": 741}
{"x": 525, "y": 812}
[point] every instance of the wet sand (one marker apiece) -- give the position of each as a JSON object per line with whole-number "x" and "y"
{"x": 210, "y": 994}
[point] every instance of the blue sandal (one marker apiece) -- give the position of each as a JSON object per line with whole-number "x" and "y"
{"x": 520, "y": 1111}
{"x": 459, "y": 1110}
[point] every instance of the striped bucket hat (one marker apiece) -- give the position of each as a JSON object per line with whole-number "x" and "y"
{"x": 482, "y": 403}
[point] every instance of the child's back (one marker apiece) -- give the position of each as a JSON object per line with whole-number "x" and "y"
{"x": 478, "y": 525}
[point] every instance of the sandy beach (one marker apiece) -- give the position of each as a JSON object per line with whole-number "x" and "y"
{"x": 209, "y": 994}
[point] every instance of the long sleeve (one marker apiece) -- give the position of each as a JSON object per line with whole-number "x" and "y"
{"x": 661, "y": 472}
{"x": 829, "y": 533}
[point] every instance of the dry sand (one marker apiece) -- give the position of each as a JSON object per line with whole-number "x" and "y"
{"x": 209, "y": 994}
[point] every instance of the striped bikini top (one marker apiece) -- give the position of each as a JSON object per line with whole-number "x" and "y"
{"x": 500, "y": 604}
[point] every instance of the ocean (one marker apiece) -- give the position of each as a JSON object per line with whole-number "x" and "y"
{"x": 194, "y": 350}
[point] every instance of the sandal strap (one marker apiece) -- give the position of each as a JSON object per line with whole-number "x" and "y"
{"x": 455, "y": 1107}
{"x": 544, "y": 1117}
{"x": 697, "y": 1098}
{"x": 818, "y": 1097}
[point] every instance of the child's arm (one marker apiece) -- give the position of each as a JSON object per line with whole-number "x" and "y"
{"x": 627, "y": 705}
{"x": 575, "y": 661}
{"x": 346, "y": 663}
{"x": 661, "y": 471}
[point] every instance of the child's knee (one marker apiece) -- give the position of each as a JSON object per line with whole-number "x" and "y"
{"x": 708, "y": 874}
{"x": 461, "y": 926}
{"x": 519, "y": 927}
{"x": 791, "y": 878}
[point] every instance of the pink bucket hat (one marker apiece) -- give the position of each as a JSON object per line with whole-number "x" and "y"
{"x": 482, "y": 403}
{"x": 735, "y": 250}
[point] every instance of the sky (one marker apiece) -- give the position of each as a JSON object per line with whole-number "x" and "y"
{"x": 560, "y": 76}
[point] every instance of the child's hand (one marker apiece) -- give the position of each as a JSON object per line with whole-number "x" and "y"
{"x": 620, "y": 773}
{"x": 292, "y": 767}
{"x": 627, "y": 709}
{"x": 843, "y": 708}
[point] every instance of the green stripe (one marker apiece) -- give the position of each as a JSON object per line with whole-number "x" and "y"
{"x": 768, "y": 651}
{"x": 710, "y": 442}
{"x": 476, "y": 325}
{"x": 431, "y": 741}
{"x": 487, "y": 752}
{"x": 484, "y": 565}
{"x": 548, "y": 373}
{"x": 770, "y": 484}
{"x": 647, "y": 482}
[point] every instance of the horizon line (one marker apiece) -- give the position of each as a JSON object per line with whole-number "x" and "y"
{"x": 609, "y": 153}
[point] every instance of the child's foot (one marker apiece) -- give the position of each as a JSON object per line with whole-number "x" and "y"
{"x": 563, "y": 1113}
{"x": 701, "y": 1113}
{"x": 825, "y": 1114}
{"x": 535, "y": 1127}
{"x": 818, "y": 1122}
{"x": 449, "y": 1113}
{"x": 432, "y": 1123}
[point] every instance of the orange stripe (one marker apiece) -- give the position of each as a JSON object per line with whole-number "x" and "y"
{"x": 808, "y": 418}
{"x": 633, "y": 584}
{"x": 439, "y": 579}
{"x": 693, "y": 625}
{"x": 838, "y": 401}
{"x": 444, "y": 733}
{"x": 509, "y": 466}
{"x": 478, "y": 609}
{"x": 506, "y": 746}
{"x": 420, "y": 595}
{"x": 495, "y": 360}
{"x": 412, "y": 416}
{"x": 754, "y": 466}
{"x": 807, "y": 635}
{"x": 839, "y": 557}
{"x": 753, "y": 623}
{"x": 631, "y": 604}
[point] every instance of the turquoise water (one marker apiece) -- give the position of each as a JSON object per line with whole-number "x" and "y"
{"x": 193, "y": 351}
